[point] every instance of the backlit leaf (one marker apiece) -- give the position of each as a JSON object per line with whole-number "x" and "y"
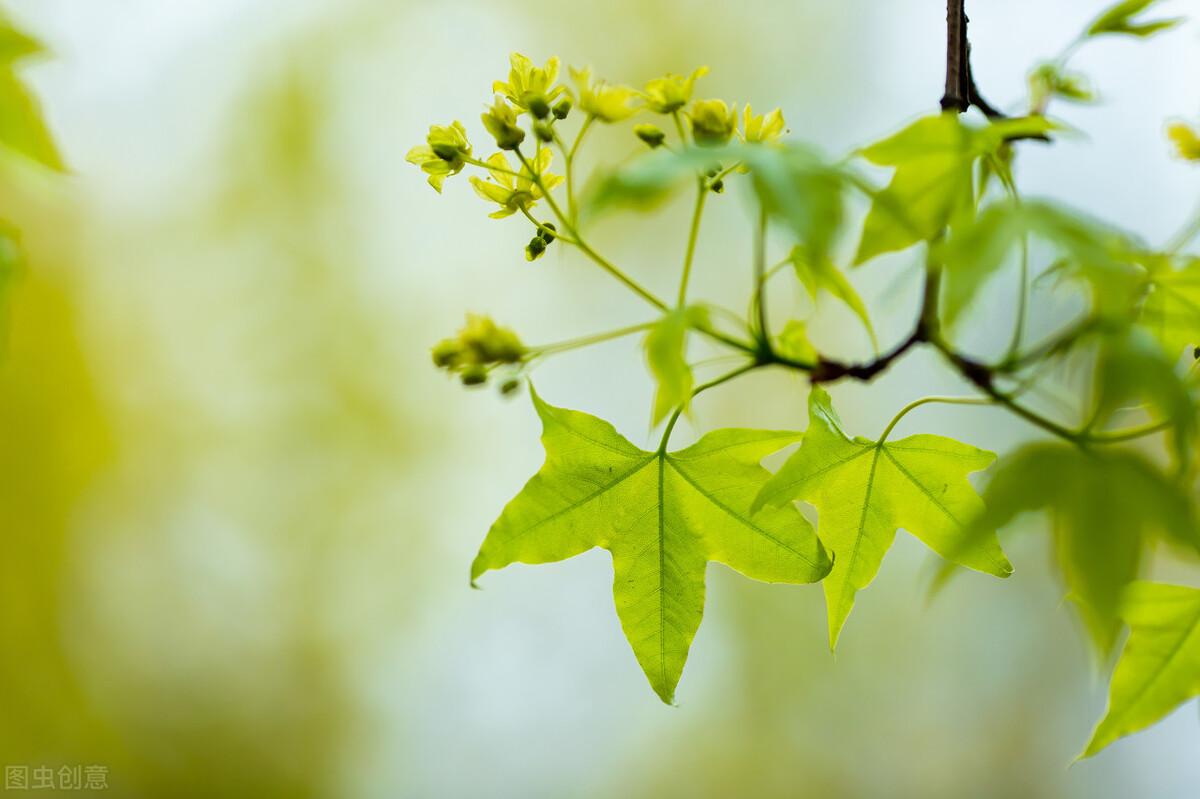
{"x": 666, "y": 354}
{"x": 1119, "y": 20}
{"x": 1159, "y": 668}
{"x": 663, "y": 516}
{"x": 820, "y": 274}
{"x": 864, "y": 491}
{"x": 1104, "y": 505}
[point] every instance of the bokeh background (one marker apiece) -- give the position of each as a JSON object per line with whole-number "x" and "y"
{"x": 238, "y": 505}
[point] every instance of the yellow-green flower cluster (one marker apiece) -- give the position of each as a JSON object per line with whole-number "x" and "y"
{"x": 762, "y": 128}
{"x": 479, "y": 346}
{"x": 442, "y": 154}
{"x": 1186, "y": 139}
{"x": 500, "y": 120}
{"x": 599, "y": 99}
{"x": 713, "y": 122}
{"x": 528, "y": 87}
{"x": 515, "y": 191}
{"x": 668, "y": 94}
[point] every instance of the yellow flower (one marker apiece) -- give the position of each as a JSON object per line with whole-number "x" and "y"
{"x": 514, "y": 191}
{"x": 442, "y": 154}
{"x": 528, "y": 87}
{"x": 501, "y": 121}
{"x": 760, "y": 129}
{"x": 604, "y": 102}
{"x": 1187, "y": 141}
{"x": 713, "y": 122}
{"x": 667, "y": 95}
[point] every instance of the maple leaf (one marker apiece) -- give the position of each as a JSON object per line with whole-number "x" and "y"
{"x": 865, "y": 490}
{"x": 22, "y": 128}
{"x": 1106, "y": 507}
{"x": 1159, "y": 668}
{"x": 663, "y": 516}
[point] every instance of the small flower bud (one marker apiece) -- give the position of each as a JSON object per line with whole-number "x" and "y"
{"x": 717, "y": 186}
{"x": 501, "y": 121}
{"x": 562, "y": 108}
{"x": 510, "y": 386}
{"x": 446, "y": 353}
{"x": 539, "y": 107}
{"x": 547, "y": 231}
{"x": 535, "y": 248}
{"x": 652, "y": 135}
{"x": 543, "y": 132}
{"x": 713, "y": 122}
{"x": 474, "y": 375}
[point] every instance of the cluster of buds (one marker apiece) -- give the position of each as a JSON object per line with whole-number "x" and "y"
{"x": 480, "y": 346}
{"x": 538, "y": 244}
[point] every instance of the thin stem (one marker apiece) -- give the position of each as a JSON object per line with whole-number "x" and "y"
{"x": 926, "y": 401}
{"x": 587, "y": 341}
{"x": 760, "y": 282}
{"x": 1023, "y": 296}
{"x": 490, "y": 167}
{"x": 1118, "y": 436}
{"x": 546, "y": 229}
{"x": 1185, "y": 235}
{"x": 569, "y": 158}
{"x": 693, "y": 235}
{"x": 583, "y": 246}
{"x": 741, "y": 370}
{"x": 679, "y": 128}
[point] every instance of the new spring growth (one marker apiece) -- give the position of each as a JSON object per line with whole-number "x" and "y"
{"x": 501, "y": 121}
{"x": 528, "y": 87}
{"x": 516, "y": 191}
{"x": 478, "y": 347}
{"x": 602, "y": 101}
{"x": 762, "y": 128}
{"x": 442, "y": 153}
{"x": 713, "y": 122}
{"x": 668, "y": 94}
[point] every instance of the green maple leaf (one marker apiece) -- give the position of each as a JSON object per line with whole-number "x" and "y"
{"x": 663, "y": 516}
{"x": 820, "y": 274}
{"x": 1171, "y": 310}
{"x": 1159, "y": 668}
{"x": 933, "y": 183}
{"x": 22, "y": 128}
{"x": 1089, "y": 251}
{"x": 1118, "y": 19}
{"x": 865, "y": 490}
{"x": 1105, "y": 505}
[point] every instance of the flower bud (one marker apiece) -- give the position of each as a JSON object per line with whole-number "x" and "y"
{"x": 474, "y": 375}
{"x": 539, "y": 107}
{"x": 446, "y": 353}
{"x": 717, "y": 186}
{"x": 501, "y": 121}
{"x": 510, "y": 386}
{"x": 652, "y": 135}
{"x": 713, "y": 122}
{"x": 543, "y": 132}
{"x": 562, "y": 108}
{"x": 547, "y": 231}
{"x": 535, "y": 248}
